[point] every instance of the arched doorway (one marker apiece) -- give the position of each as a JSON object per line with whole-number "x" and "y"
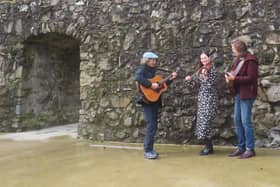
{"x": 50, "y": 83}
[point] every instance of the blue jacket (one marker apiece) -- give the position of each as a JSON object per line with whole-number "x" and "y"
{"x": 143, "y": 73}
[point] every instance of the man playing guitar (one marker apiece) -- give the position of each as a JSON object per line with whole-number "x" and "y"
{"x": 243, "y": 80}
{"x": 144, "y": 74}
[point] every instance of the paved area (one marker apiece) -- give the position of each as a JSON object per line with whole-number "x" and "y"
{"x": 64, "y": 161}
{"x": 44, "y": 134}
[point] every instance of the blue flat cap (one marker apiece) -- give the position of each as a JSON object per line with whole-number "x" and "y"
{"x": 149, "y": 55}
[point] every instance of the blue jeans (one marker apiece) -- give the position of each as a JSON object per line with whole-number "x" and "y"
{"x": 151, "y": 116}
{"x": 243, "y": 124}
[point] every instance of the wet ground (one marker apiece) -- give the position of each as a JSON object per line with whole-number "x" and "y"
{"x": 64, "y": 161}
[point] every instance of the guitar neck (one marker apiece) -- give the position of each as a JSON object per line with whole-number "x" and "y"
{"x": 164, "y": 80}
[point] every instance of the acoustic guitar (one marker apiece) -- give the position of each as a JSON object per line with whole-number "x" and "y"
{"x": 230, "y": 83}
{"x": 154, "y": 95}
{"x": 230, "y": 86}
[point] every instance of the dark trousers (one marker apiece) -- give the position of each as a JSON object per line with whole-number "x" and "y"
{"x": 151, "y": 116}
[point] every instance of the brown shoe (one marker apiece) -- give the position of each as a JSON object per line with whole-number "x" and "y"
{"x": 247, "y": 154}
{"x": 237, "y": 152}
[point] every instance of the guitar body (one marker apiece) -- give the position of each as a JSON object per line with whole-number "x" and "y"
{"x": 230, "y": 85}
{"x": 154, "y": 95}
{"x": 235, "y": 70}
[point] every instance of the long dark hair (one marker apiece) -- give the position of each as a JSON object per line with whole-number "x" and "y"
{"x": 209, "y": 53}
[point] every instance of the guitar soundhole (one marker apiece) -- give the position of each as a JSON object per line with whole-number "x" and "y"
{"x": 161, "y": 86}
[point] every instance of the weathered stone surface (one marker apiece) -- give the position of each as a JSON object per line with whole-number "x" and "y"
{"x": 274, "y": 133}
{"x": 75, "y": 60}
{"x": 127, "y": 121}
{"x": 54, "y": 2}
{"x": 227, "y": 134}
{"x": 104, "y": 63}
{"x": 8, "y": 28}
{"x": 273, "y": 38}
{"x": 273, "y": 93}
{"x": 120, "y": 102}
{"x": 266, "y": 83}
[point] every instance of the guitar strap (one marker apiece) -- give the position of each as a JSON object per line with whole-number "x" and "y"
{"x": 238, "y": 68}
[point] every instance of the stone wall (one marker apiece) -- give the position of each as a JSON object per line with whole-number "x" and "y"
{"x": 112, "y": 36}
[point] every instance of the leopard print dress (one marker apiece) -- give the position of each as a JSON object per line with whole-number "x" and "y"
{"x": 207, "y": 103}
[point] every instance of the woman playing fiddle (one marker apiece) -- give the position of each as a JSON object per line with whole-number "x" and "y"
{"x": 207, "y": 100}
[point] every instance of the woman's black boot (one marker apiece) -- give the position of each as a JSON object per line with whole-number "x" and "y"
{"x": 208, "y": 149}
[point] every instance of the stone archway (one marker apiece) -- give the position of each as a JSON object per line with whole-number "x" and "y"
{"x": 50, "y": 83}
